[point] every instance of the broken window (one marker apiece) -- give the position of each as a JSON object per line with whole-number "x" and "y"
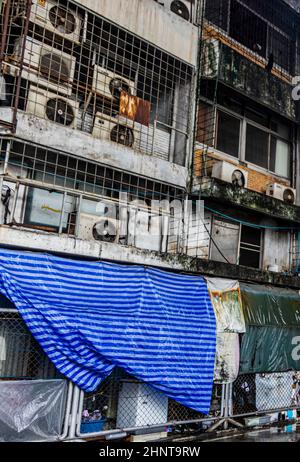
{"x": 235, "y": 243}
{"x": 250, "y": 247}
{"x": 225, "y": 241}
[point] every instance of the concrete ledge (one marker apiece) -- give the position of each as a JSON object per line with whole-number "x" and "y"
{"x": 220, "y": 191}
{"x": 32, "y": 240}
{"x": 54, "y": 136}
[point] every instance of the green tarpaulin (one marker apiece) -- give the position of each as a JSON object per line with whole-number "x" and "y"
{"x": 272, "y": 326}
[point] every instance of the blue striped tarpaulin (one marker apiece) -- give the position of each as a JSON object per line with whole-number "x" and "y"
{"x": 92, "y": 316}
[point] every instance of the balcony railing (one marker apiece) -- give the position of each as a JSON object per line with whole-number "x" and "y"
{"x": 240, "y": 71}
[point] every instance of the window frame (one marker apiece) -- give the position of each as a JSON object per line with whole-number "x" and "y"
{"x": 215, "y": 218}
{"x": 244, "y": 122}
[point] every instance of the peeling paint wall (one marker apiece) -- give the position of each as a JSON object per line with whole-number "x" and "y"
{"x": 153, "y": 22}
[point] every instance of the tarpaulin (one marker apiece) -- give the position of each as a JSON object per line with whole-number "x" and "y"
{"x": 92, "y": 316}
{"x": 227, "y": 302}
{"x": 32, "y": 410}
{"x": 273, "y": 325}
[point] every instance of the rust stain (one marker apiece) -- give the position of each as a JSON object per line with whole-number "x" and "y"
{"x": 135, "y": 108}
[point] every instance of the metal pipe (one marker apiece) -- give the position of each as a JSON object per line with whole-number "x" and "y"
{"x": 67, "y": 415}
{"x": 61, "y": 220}
{"x": 74, "y": 413}
{"x": 19, "y": 79}
{"x": 4, "y": 30}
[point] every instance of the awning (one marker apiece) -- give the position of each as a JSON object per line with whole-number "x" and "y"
{"x": 273, "y": 324}
{"x": 92, "y": 316}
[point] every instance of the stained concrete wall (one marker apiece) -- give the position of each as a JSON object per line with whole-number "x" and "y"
{"x": 54, "y": 136}
{"x": 153, "y": 22}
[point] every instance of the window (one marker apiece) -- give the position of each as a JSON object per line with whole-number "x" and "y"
{"x": 266, "y": 144}
{"x": 228, "y": 137}
{"x": 236, "y": 244}
{"x": 257, "y": 146}
{"x": 266, "y": 28}
{"x": 280, "y": 157}
{"x": 248, "y": 29}
{"x": 250, "y": 247}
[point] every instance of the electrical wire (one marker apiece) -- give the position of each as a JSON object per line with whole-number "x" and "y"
{"x": 251, "y": 225}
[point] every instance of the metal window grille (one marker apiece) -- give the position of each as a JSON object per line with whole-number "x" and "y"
{"x": 68, "y": 65}
{"x": 21, "y": 358}
{"x": 54, "y": 191}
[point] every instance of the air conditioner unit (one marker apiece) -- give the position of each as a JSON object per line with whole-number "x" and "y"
{"x": 118, "y": 130}
{"x": 57, "y": 19}
{"x": 186, "y": 9}
{"x": 230, "y": 173}
{"x": 50, "y": 106}
{"x": 95, "y": 227}
{"x": 45, "y": 65}
{"x": 110, "y": 85}
{"x": 281, "y": 192}
{"x": 210, "y": 58}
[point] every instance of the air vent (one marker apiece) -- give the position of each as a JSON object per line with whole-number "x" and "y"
{"x": 109, "y": 85}
{"x": 122, "y": 135}
{"x": 180, "y": 9}
{"x": 62, "y": 20}
{"x": 60, "y": 111}
{"x": 117, "y": 85}
{"x": 289, "y": 196}
{"x": 54, "y": 68}
{"x": 106, "y": 230}
{"x": 238, "y": 179}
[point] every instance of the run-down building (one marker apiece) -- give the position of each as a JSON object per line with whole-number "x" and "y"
{"x": 112, "y": 110}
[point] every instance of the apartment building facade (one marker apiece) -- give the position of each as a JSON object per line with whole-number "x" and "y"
{"x": 107, "y": 107}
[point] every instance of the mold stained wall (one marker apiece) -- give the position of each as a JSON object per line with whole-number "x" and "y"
{"x": 153, "y": 22}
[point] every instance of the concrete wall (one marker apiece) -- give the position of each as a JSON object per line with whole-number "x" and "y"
{"x": 48, "y": 242}
{"x": 58, "y": 137}
{"x": 153, "y": 22}
{"x": 258, "y": 181}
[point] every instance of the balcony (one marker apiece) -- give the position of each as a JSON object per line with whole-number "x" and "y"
{"x": 244, "y": 198}
{"x": 241, "y": 71}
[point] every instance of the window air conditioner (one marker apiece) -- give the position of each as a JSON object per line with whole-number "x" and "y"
{"x": 45, "y": 65}
{"x": 109, "y": 85}
{"x": 95, "y": 227}
{"x": 118, "y": 130}
{"x": 57, "y": 19}
{"x": 281, "y": 192}
{"x": 230, "y": 173}
{"x": 52, "y": 107}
